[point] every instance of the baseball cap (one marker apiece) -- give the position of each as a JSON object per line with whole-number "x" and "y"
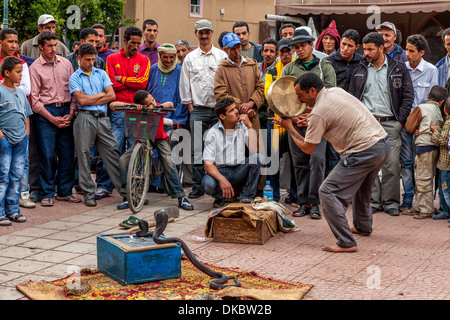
{"x": 230, "y": 40}
{"x": 203, "y": 24}
{"x": 301, "y": 35}
{"x": 284, "y": 43}
{"x": 306, "y": 28}
{"x": 45, "y": 18}
{"x": 388, "y": 25}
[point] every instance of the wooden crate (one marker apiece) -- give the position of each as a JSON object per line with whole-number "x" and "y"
{"x": 236, "y": 230}
{"x": 136, "y": 260}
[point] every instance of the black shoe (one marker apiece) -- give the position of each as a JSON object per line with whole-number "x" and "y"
{"x": 373, "y": 210}
{"x": 393, "y": 212}
{"x": 301, "y": 212}
{"x": 90, "y": 202}
{"x": 289, "y": 200}
{"x": 219, "y": 203}
{"x": 196, "y": 194}
{"x": 314, "y": 212}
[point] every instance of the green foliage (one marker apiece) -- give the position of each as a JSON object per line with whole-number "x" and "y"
{"x": 24, "y": 14}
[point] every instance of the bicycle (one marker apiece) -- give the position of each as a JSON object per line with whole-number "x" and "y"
{"x": 141, "y": 125}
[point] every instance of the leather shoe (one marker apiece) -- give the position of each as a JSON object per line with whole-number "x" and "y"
{"x": 393, "y": 212}
{"x": 196, "y": 194}
{"x": 301, "y": 212}
{"x": 90, "y": 201}
{"x": 220, "y": 202}
{"x": 373, "y": 210}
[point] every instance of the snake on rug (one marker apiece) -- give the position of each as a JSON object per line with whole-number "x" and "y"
{"x": 161, "y": 223}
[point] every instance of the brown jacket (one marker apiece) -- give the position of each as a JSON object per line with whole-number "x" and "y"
{"x": 31, "y": 48}
{"x": 242, "y": 83}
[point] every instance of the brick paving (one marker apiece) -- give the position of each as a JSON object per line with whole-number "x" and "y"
{"x": 403, "y": 259}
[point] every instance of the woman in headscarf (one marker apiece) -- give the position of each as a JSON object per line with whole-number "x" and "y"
{"x": 329, "y": 40}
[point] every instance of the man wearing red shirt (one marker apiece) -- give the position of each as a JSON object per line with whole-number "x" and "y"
{"x": 128, "y": 70}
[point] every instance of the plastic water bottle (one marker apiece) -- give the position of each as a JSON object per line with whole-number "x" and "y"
{"x": 268, "y": 191}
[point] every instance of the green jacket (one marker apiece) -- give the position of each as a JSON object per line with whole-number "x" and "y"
{"x": 322, "y": 67}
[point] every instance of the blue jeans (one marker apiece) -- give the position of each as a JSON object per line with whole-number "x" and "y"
{"x": 12, "y": 165}
{"x": 407, "y": 154}
{"x": 444, "y": 191}
{"x": 52, "y": 141}
{"x": 246, "y": 174}
{"x": 117, "y": 119}
{"x": 26, "y": 170}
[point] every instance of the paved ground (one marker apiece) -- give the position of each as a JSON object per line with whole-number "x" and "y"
{"x": 404, "y": 258}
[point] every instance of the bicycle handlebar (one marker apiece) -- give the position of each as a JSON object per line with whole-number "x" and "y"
{"x": 144, "y": 109}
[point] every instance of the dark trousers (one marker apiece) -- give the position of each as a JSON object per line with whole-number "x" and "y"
{"x": 352, "y": 180}
{"x": 55, "y": 146}
{"x": 309, "y": 169}
{"x": 200, "y": 120}
{"x": 246, "y": 174}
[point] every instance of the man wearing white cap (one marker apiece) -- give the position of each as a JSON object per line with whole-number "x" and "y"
{"x": 389, "y": 33}
{"x": 197, "y": 92}
{"x": 30, "y": 47}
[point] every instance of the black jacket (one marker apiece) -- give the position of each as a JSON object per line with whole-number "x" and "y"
{"x": 401, "y": 90}
{"x": 73, "y": 58}
{"x": 344, "y": 69}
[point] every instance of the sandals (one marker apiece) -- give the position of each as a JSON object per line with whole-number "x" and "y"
{"x": 47, "y": 202}
{"x": 70, "y": 199}
{"x": 131, "y": 222}
{"x": 100, "y": 194}
{"x": 406, "y": 205}
{"x": 301, "y": 212}
{"x": 314, "y": 212}
{"x": 184, "y": 203}
{"x": 422, "y": 215}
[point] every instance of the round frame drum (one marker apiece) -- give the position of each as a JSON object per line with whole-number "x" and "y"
{"x": 283, "y": 100}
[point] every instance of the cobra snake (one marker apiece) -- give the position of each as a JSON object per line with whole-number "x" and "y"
{"x": 161, "y": 223}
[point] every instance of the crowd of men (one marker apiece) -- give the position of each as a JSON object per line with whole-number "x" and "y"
{"x": 73, "y": 97}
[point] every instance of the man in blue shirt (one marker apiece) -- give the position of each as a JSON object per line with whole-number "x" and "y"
{"x": 443, "y": 64}
{"x": 93, "y": 89}
{"x": 389, "y": 33}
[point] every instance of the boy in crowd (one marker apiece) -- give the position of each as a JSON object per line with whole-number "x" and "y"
{"x": 421, "y": 119}
{"x": 143, "y": 98}
{"x": 14, "y": 131}
{"x": 442, "y": 139}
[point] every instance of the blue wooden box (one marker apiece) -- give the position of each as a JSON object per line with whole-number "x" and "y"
{"x": 129, "y": 260}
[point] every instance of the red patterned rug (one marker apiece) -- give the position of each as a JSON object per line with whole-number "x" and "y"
{"x": 192, "y": 283}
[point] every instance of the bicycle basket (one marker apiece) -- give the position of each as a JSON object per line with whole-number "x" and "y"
{"x": 141, "y": 125}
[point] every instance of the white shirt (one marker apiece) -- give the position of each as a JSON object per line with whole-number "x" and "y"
{"x": 197, "y": 77}
{"x": 423, "y": 78}
{"x": 25, "y": 82}
{"x": 226, "y": 147}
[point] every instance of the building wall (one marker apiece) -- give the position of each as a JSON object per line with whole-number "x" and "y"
{"x": 175, "y": 22}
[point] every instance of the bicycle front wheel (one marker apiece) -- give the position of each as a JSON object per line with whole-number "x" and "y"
{"x": 138, "y": 177}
